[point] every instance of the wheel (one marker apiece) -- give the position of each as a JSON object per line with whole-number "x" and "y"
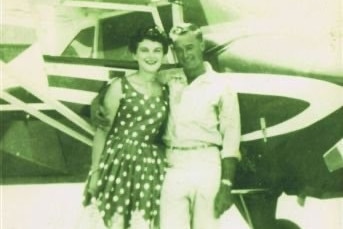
{"x": 286, "y": 224}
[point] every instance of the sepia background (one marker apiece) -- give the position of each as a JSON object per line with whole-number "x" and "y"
{"x": 43, "y": 166}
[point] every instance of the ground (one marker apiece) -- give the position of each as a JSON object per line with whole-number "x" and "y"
{"x": 57, "y": 206}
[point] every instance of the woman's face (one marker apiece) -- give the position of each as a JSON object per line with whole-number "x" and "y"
{"x": 149, "y": 55}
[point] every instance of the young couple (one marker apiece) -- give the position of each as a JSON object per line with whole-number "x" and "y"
{"x": 134, "y": 182}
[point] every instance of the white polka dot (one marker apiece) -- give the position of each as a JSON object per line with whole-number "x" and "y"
{"x": 139, "y": 118}
{"x": 128, "y": 116}
{"x": 135, "y": 108}
{"x": 134, "y": 158}
{"x": 128, "y": 156}
{"x": 139, "y": 151}
{"x": 138, "y": 185}
{"x": 141, "y": 101}
{"x": 120, "y": 146}
{"x": 159, "y": 114}
{"x": 126, "y": 132}
{"x": 124, "y": 107}
{"x": 124, "y": 173}
{"x": 120, "y": 209}
{"x": 100, "y": 196}
{"x": 99, "y": 182}
{"x": 153, "y": 130}
{"x": 151, "y": 121}
{"x": 151, "y": 177}
{"x": 152, "y": 105}
{"x": 131, "y": 124}
{"x": 116, "y": 161}
{"x": 146, "y": 186}
{"x": 143, "y": 127}
{"x": 111, "y": 178}
{"x": 138, "y": 168}
{"x": 122, "y": 123}
{"x": 102, "y": 213}
{"x": 115, "y": 198}
{"x": 115, "y": 130}
{"x": 148, "y": 204}
{"x": 134, "y": 94}
{"x": 146, "y": 137}
{"x": 121, "y": 191}
{"x": 134, "y": 134}
{"x": 147, "y": 112}
{"x": 101, "y": 165}
{"x": 118, "y": 180}
{"x": 93, "y": 200}
{"x": 127, "y": 202}
{"x": 108, "y": 206}
{"x": 141, "y": 194}
{"x": 110, "y": 151}
{"x": 158, "y": 99}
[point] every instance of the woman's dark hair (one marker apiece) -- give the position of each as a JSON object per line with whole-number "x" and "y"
{"x": 152, "y": 33}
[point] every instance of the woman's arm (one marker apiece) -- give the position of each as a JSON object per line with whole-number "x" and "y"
{"x": 111, "y": 104}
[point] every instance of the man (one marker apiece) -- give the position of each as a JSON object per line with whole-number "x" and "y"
{"x": 202, "y": 139}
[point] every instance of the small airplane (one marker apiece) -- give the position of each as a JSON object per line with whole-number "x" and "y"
{"x": 290, "y": 93}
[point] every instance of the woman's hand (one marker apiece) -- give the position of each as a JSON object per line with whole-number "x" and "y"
{"x": 93, "y": 182}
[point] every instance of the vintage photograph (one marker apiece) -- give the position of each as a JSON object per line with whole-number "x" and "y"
{"x": 171, "y": 114}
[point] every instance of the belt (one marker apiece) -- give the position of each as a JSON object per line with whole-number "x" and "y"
{"x": 203, "y": 146}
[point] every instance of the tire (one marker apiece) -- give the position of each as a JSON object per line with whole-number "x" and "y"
{"x": 286, "y": 224}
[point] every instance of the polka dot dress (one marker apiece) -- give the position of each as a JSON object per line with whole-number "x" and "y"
{"x": 132, "y": 164}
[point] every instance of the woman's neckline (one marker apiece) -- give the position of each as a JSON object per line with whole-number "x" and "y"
{"x": 141, "y": 93}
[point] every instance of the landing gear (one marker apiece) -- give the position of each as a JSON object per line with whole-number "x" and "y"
{"x": 286, "y": 224}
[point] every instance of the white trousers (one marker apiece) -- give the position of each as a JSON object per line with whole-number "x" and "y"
{"x": 190, "y": 186}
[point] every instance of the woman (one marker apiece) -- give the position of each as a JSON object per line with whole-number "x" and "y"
{"x": 127, "y": 163}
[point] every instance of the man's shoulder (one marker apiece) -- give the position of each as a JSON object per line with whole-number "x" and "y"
{"x": 220, "y": 77}
{"x": 223, "y": 81}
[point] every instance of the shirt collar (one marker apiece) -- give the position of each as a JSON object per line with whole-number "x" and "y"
{"x": 206, "y": 76}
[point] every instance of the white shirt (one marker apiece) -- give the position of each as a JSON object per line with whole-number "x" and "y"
{"x": 205, "y": 111}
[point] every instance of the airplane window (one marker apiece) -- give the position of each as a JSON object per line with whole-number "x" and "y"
{"x": 114, "y": 35}
{"x": 81, "y": 45}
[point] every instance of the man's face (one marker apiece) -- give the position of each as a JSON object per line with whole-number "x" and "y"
{"x": 189, "y": 51}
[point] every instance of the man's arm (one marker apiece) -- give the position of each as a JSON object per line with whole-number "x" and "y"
{"x": 229, "y": 118}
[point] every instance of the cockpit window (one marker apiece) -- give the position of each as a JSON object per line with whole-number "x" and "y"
{"x": 113, "y": 36}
